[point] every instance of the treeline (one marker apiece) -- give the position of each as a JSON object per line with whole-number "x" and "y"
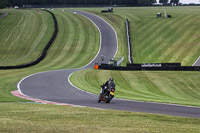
{"x": 20, "y": 3}
{"x": 165, "y": 2}
{"x": 3, "y": 3}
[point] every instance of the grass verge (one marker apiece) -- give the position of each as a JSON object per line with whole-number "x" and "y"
{"x": 23, "y": 117}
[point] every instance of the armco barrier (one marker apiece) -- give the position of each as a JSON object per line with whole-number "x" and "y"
{"x": 130, "y": 58}
{"x": 44, "y": 52}
{"x": 139, "y": 67}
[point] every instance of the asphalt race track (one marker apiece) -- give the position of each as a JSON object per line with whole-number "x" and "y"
{"x": 54, "y": 85}
{"x": 4, "y": 14}
{"x": 197, "y": 62}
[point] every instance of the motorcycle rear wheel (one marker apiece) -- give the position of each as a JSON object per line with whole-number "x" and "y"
{"x": 99, "y": 100}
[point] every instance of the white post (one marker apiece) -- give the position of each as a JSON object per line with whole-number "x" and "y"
{"x": 165, "y": 14}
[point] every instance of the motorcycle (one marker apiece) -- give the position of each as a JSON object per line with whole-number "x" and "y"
{"x": 106, "y": 95}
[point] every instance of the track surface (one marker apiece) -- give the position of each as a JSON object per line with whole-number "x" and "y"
{"x": 54, "y": 86}
{"x": 4, "y": 14}
{"x": 197, "y": 62}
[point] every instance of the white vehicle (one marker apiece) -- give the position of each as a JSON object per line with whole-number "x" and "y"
{"x": 16, "y": 7}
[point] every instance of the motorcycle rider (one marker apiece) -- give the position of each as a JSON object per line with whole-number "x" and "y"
{"x": 110, "y": 84}
{"x": 107, "y": 91}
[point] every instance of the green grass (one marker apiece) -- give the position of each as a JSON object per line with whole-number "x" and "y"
{"x": 51, "y": 118}
{"x": 75, "y": 46}
{"x": 166, "y": 40}
{"x": 23, "y": 35}
{"x": 167, "y": 87}
{"x": 77, "y": 43}
{"x": 19, "y": 117}
{"x": 157, "y": 40}
{"x": 8, "y": 83}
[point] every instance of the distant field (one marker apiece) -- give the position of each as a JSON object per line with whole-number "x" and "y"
{"x": 158, "y": 40}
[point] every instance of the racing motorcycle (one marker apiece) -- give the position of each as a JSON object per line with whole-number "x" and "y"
{"x": 106, "y": 95}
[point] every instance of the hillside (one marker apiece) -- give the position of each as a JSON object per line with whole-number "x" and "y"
{"x": 154, "y": 40}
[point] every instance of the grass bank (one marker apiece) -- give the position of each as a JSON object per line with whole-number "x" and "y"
{"x": 23, "y": 35}
{"x": 176, "y": 39}
{"x": 77, "y": 43}
{"x": 167, "y": 87}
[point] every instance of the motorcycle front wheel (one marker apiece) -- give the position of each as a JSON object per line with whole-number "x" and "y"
{"x": 109, "y": 98}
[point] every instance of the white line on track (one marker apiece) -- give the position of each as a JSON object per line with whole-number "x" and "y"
{"x": 196, "y": 61}
{"x": 76, "y": 86}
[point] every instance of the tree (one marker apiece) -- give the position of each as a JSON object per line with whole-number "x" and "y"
{"x": 174, "y": 2}
{"x": 144, "y": 2}
{"x": 164, "y": 2}
{"x": 3, "y": 3}
{"x": 153, "y": 1}
{"x": 16, "y": 2}
{"x": 20, "y": 3}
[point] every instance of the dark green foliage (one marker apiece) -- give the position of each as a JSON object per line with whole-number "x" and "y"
{"x": 81, "y": 2}
{"x": 174, "y": 2}
{"x": 153, "y": 1}
{"x": 3, "y": 3}
{"x": 144, "y": 2}
{"x": 164, "y": 2}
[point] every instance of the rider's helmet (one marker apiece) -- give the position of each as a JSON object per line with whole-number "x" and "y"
{"x": 111, "y": 79}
